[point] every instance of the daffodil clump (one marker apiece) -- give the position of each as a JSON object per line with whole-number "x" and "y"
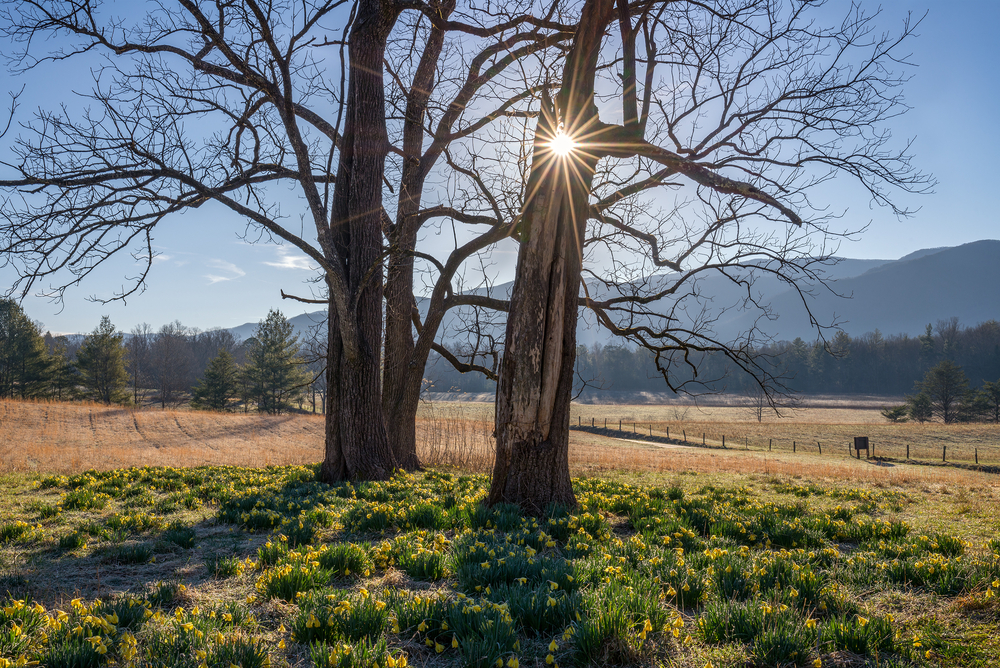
{"x": 421, "y": 555}
{"x": 86, "y": 635}
{"x": 134, "y": 522}
{"x": 300, "y": 573}
{"x": 18, "y": 530}
{"x": 329, "y": 618}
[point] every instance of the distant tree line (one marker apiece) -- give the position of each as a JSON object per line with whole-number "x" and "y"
{"x": 890, "y": 365}
{"x": 270, "y": 372}
{"x": 868, "y": 364}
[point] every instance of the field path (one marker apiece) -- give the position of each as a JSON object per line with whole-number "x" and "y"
{"x": 661, "y": 446}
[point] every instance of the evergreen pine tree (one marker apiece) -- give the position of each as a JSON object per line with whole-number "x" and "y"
{"x": 927, "y": 348}
{"x": 920, "y": 407}
{"x": 101, "y": 361}
{"x": 991, "y": 394}
{"x": 63, "y": 376}
{"x": 273, "y": 372}
{"x": 24, "y": 363}
{"x": 218, "y": 384}
{"x": 945, "y": 384}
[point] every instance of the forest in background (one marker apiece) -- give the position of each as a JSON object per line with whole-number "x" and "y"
{"x": 272, "y": 371}
{"x": 871, "y": 364}
{"x": 217, "y": 369}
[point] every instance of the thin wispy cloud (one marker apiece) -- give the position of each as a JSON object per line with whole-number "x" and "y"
{"x": 287, "y": 259}
{"x": 233, "y": 271}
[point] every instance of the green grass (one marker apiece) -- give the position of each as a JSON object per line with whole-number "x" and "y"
{"x": 268, "y": 566}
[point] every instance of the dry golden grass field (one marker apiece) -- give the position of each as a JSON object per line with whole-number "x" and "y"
{"x": 50, "y": 437}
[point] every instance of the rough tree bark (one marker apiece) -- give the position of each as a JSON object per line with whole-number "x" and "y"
{"x": 357, "y": 445}
{"x": 536, "y": 375}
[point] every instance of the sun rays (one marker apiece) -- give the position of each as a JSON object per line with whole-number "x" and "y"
{"x": 562, "y": 145}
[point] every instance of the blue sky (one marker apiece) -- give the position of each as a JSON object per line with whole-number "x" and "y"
{"x": 207, "y": 276}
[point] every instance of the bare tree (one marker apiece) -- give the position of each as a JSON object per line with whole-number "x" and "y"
{"x": 137, "y": 360}
{"x": 226, "y": 104}
{"x": 313, "y": 353}
{"x": 451, "y": 87}
{"x": 171, "y": 363}
{"x": 220, "y": 103}
{"x": 741, "y": 107}
{"x": 206, "y": 345}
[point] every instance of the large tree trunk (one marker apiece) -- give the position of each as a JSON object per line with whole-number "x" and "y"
{"x": 399, "y": 400}
{"x": 536, "y": 375}
{"x": 403, "y": 364}
{"x": 357, "y": 446}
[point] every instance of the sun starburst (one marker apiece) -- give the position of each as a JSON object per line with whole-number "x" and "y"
{"x": 562, "y": 144}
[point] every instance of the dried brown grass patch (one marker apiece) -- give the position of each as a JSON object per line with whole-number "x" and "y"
{"x": 66, "y": 437}
{"x": 834, "y": 427}
{"x": 69, "y": 437}
{"x": 455, "y": 436}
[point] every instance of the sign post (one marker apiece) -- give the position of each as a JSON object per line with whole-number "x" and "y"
{"x": 861, "y": 443}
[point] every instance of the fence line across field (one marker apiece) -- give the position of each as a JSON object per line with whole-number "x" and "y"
{"x": 873, "y": 448}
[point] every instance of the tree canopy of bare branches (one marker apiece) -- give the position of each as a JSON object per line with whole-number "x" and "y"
{"x": 703, "y": 131}
{"x": 744, "y": 106}
{"x": 227, "y": 106}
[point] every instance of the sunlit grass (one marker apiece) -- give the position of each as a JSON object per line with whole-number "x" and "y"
{"x": 416, "y": 571}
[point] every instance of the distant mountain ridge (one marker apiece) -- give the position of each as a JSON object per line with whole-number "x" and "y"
{"x": 903, "y": 296}
{"x": 894, "y": 296}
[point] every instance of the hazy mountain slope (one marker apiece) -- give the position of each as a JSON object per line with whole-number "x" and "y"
{"x": 902, "y": 297}
{"x": 301, "y": 323}
{"x": 894, "y": 296}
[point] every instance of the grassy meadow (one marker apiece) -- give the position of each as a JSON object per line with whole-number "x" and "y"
{"x": 164, "y": 553}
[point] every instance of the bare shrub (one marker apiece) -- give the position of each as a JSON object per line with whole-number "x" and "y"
{"x": 451, "y": 436}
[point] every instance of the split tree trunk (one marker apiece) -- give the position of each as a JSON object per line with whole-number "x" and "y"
{"x": 536, "y": 375}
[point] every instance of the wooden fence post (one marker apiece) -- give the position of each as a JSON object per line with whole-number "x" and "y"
{"x": 793, "y": 446}
{"x": 977, "y": 456}
{"x": 907, "y": 450}
{"x": 684, "y": 431}
{"x": 668, "y": 432}
{"x": 944, "y": 453}
{"x": 703, "y": 438}
{"x": 592, "y": 423}
{"x": 769, "y": 441}
{"x": 723, "y": 440}
{"x": 820, "y": 446}
{"x": 619, "y": 425}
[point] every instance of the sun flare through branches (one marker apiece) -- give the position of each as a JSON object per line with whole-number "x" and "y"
{"x": 562, "y": 144}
